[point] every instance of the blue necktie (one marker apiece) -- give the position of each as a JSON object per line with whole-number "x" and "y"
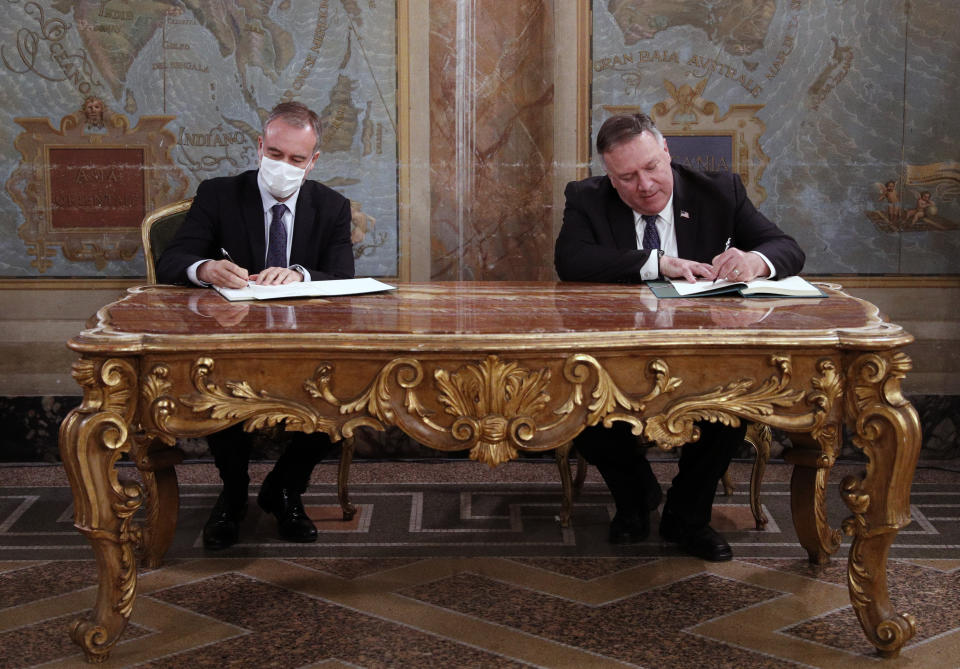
{"x": 277, "y": 246}
{"x": 651, "y": 238}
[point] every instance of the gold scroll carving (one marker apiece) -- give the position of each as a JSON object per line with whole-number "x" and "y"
{"x": 887, "y": 429}
{"x": 496, "y": 407}
{"x": 98, "y": 430}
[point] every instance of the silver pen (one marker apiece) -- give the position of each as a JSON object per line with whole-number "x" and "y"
{"x": 226, "y": 255}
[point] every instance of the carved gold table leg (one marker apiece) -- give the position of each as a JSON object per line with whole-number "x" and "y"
{"x": 808, "y": 498}
{"x": 562, "y": 453}
{"x": 887, "y": 428}
{"x": 758, "y": 435}
{"x": 343, "y": 479}
{"x": 156, "y": 462}
{"x": 92, "y": 438}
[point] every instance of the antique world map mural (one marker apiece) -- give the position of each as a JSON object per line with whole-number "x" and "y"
{"x": 839, "y": 114}
{"x": 111, "y": 108}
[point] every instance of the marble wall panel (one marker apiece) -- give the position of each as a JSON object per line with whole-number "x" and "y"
{"x": 491, "y": 97}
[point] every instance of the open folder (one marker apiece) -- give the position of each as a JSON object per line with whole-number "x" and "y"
{"x": 327, "y": 288}
{"x": 791, "y": 286}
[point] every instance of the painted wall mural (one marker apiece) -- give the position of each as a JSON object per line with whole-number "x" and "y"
{"x": 855, "y": 146}
{"x": 114, "y": 107}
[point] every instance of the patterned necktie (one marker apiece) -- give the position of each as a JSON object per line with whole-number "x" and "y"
{"x": 277, "y": 246}
{"x": 651, "y": 238}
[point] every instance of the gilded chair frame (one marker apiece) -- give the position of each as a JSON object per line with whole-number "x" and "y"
{"x": 146, "y": 228}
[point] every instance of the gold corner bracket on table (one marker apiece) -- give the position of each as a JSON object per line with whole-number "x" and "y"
{"x": 887, "y": 429}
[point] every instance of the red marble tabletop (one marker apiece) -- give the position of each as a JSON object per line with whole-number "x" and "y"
{"x": 487, "y": 315}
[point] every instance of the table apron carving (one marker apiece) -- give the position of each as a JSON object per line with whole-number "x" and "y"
{"x": 493, "y": 406}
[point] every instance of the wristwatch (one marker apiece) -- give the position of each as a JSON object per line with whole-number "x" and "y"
{"x": 659, "y": 273}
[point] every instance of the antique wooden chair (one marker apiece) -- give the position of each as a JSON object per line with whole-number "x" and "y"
{"x": 758, "y": 436}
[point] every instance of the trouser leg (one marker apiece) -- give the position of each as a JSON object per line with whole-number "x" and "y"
{"x": 620, "y": 459}
{"x": 231, "y": 453}
{"x": 702, "y": 463}
{"x": 295, "y": 465}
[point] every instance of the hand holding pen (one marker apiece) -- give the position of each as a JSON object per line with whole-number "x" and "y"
{"x": 726, "y": 245}
{"x": 225, "y": 273}
{"x": 734, "y": 264}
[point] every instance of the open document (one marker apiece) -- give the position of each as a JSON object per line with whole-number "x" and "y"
{"x": 791, "y": 286}
{"x": 328, "y": 288}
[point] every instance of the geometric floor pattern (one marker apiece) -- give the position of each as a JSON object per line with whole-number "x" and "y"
{"x": 473, "y": 571}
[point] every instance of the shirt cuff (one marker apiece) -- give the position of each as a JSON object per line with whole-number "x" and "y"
{"x": 192, "y": 273}
{"x": 650, "y": 271}
{"x": 773, "y": 272}
{"x": 303, "y": 272}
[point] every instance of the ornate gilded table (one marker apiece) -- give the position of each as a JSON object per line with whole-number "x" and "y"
{"x": 496, "y": 368}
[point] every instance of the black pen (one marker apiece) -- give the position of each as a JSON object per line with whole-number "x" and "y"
{"x": 726, "y": 245}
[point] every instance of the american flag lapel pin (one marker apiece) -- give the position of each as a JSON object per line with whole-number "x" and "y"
{"x": 684, "y": 213}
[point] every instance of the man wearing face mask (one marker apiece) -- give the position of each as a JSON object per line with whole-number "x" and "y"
{"x": 270, "y": 226}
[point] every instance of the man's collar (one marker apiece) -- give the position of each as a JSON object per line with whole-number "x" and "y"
{"x": 269, "y": 200}
{"x": 666, "y": 214}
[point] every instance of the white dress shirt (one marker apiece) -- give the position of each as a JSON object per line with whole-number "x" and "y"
{"x": 668, "y": 242}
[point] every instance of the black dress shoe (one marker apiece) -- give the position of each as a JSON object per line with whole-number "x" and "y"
{"x": 629, "y": 529}
{"x": 292, "y": 520}
{"x": 703, "y": 542}
{"x": 222, "y": 527}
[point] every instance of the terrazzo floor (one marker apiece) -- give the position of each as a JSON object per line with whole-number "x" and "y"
{"x": 452, "y": 564}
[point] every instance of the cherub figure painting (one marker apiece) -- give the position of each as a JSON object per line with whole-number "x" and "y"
{"x": 889, "y": 194}
{"x": 925, "y": 214}
{"x": 925, "y": 207}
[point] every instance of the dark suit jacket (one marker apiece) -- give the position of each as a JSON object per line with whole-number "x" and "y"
{"x": 227, "y": 212}
{"x": 598, "y": 240}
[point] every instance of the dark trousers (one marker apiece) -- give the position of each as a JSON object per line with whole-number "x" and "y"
{"x": 231, "y": 453}
{"x": 621, "y": 460}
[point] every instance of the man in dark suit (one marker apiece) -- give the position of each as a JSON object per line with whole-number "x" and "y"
{"x": 646, "y": 219}
{"x": 270, "y": 226}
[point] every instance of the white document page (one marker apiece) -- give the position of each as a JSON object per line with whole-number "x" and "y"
{"x": 328, "y": 288}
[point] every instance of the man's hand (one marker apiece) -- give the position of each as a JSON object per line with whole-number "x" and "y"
{"x": 736, "y": 265}
{"x": 738, "y": 314}
{"x": 275, "y": 276}
{"x": 222, "y": 273}
{"x": 688, "y": 269}
{"x": 225, "y": 313}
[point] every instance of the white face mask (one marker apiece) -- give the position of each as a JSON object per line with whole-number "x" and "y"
{"x": 281, "y": 179}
